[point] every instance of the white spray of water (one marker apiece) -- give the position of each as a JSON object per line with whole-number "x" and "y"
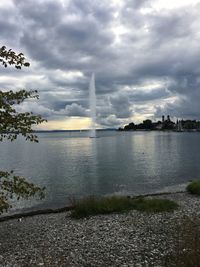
{"x": 92, "y": 106}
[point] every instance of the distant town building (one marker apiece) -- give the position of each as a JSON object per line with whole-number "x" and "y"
{"x": 167, "y": 124}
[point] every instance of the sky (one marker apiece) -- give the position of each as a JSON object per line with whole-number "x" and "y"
{"x": 145, "y": 55}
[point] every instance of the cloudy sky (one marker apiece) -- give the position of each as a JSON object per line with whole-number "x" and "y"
{"x": 145, "y": 55}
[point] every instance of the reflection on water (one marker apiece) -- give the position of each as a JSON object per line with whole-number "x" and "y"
{"x": 73, "y": 165}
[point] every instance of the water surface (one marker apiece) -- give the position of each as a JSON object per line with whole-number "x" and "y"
{"x": 71, "y": 165}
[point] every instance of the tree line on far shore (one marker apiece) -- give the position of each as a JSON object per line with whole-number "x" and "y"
{"x": 180, "y": 125}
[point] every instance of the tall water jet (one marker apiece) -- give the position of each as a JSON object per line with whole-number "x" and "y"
{"x": 92, "y": 106}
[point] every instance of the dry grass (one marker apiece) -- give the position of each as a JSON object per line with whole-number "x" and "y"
{"x": 185, "y": 250}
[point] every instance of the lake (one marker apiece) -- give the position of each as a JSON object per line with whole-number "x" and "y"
{"x": 71, "y": 165}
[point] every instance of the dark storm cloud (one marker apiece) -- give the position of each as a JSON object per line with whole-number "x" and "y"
{"x": 111, "y": 121}
{"x": 9, "y": 25}
{"x": 183, "y": 108}
{"x": 54, "y": 101}
{"x": 150, "y": 95}
{"x": 41, "y": 13}
{"x": 140, "y": 57}
{"x": 101, "y": 10}
{"x": 65, "y": 37}
{"x": 121, "y": 105}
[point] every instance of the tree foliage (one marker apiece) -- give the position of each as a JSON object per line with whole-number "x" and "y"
{"x": 11, "y": 185}
{"x": 9, "y": 57}
{"x": 13, "y": 124}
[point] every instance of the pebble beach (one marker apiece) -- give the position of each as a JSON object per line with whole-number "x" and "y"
{"x": 127, "y": 239}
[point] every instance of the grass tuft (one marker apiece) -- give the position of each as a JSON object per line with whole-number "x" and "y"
{"x": 91, "y": 206}
{"x": 194, "y": 187}
{"x": 154, "y": 205}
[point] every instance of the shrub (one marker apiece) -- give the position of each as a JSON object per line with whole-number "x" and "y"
{"x": 104, "y": 205}
{"x": 194, "y": 187}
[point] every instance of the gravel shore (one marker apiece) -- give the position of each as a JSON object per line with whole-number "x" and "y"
{"x": 128, "y": 239}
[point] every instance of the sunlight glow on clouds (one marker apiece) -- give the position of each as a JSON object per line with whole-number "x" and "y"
{"x": 118, "y": 3}
{"x": 118, "y": 32}
{"x": 7, "y": 3}
{"x": 74, "y": 123}
{"x": 68, "y": 76}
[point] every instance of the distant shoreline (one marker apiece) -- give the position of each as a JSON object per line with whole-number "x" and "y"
{"x": 165, "y": 130}
{"x": 77, "y": 131}
{"x": 115, "y": 130}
